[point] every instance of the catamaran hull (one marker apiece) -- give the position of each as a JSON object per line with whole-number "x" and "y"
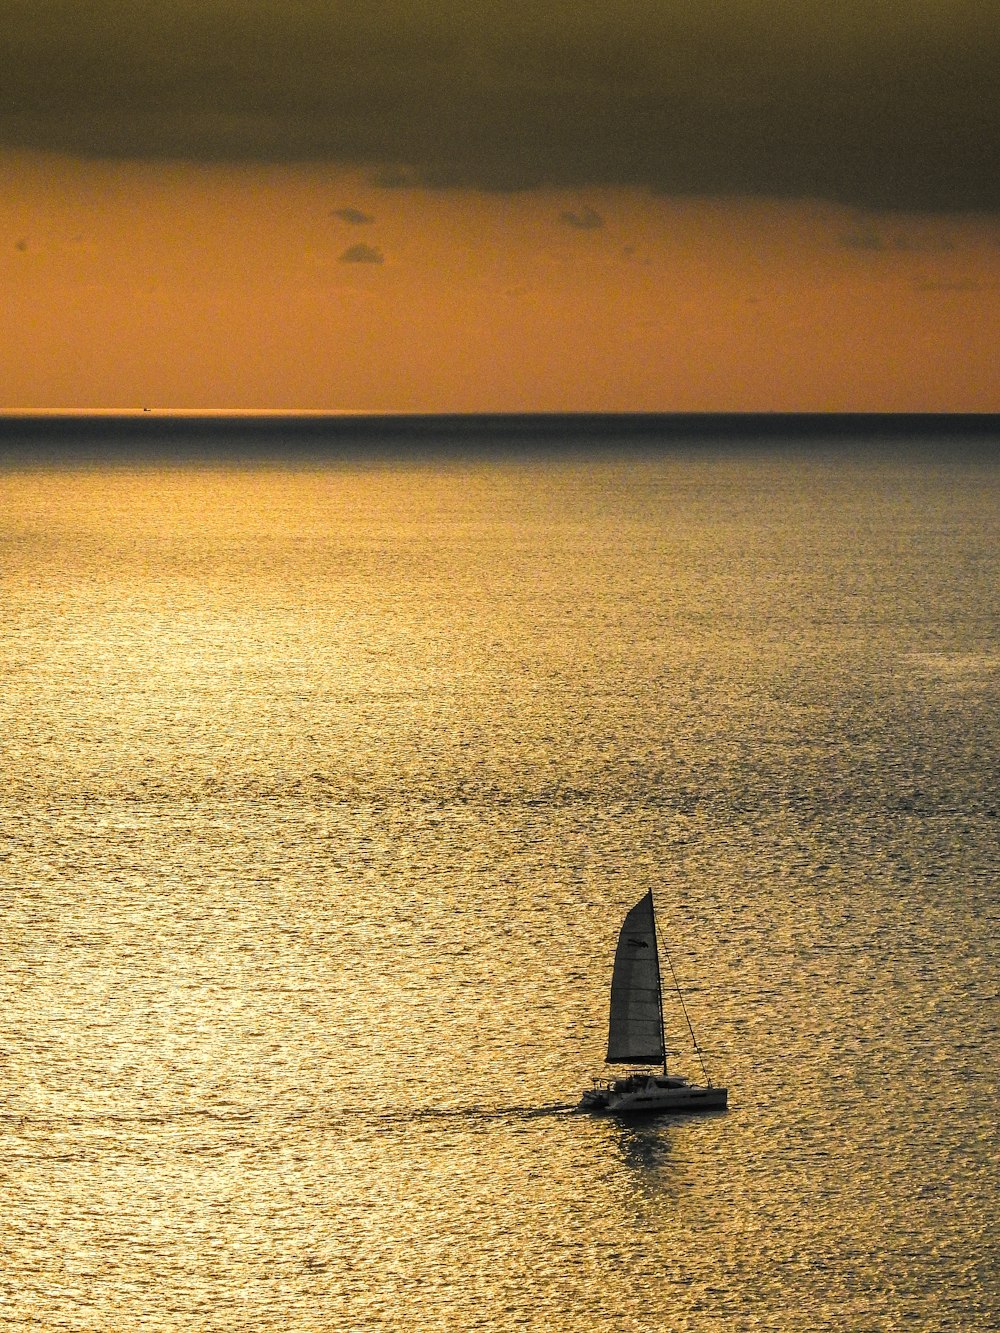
{"x": 651, "y": 1101}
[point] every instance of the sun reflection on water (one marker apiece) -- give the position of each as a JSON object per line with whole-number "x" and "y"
{"x": 323, "y": 792}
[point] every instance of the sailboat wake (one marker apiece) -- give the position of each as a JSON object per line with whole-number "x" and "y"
{"x": 481, "y": 1113}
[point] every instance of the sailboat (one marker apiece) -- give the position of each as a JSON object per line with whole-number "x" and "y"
{"x": 636, "y": 1033}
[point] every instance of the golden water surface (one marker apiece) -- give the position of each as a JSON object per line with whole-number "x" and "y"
{"x": 324, "y": 791}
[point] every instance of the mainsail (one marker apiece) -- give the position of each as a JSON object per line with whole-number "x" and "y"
{"x": 635, "y": 1030}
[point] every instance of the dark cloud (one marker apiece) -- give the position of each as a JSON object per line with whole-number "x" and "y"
{"x": 362, "y": 254}
{"x": 585, "y": 219}
{"x": 352, "y": 215}
{"x": 883, "y": 105}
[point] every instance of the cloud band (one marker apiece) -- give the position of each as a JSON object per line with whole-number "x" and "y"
{"x": 734, "y": 97}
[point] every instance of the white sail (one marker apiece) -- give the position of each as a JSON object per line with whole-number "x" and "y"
{"x": 635, "y": 1030}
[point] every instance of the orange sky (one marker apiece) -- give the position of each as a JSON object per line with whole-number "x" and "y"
{"x": 176, "y": 286}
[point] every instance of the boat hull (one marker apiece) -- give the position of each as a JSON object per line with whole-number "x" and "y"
{"x": 652, "y": 1096}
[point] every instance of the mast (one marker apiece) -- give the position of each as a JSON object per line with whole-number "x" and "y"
{"x": 659, "y": 982}
{"x": 684, "y": 1011}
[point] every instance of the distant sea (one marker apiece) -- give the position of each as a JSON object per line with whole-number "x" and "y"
{"x": 333, "y": 751}
{"x": 287, "y": 435}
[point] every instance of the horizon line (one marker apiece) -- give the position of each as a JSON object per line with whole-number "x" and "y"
{"x": 308, "y": 413}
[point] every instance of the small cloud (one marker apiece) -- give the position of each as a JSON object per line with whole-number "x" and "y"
{"x": 584, "y": 220}
{"x": 362, "y": 254}
{"x": 867, "y": 236}
{"x": 394, "y": 178}
{"x": 952, "y": 285}
{"x": 352, "y": 215}
{"x": 863, "y": 238}
{"x": 925, "y": 244}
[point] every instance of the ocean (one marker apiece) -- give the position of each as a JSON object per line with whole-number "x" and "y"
{"x": 327, "y": 777}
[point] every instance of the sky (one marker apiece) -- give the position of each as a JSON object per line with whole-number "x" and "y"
{"x": 457, "y": 206}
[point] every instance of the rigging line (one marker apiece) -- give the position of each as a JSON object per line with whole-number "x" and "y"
{"x": 684, "y": 1010}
